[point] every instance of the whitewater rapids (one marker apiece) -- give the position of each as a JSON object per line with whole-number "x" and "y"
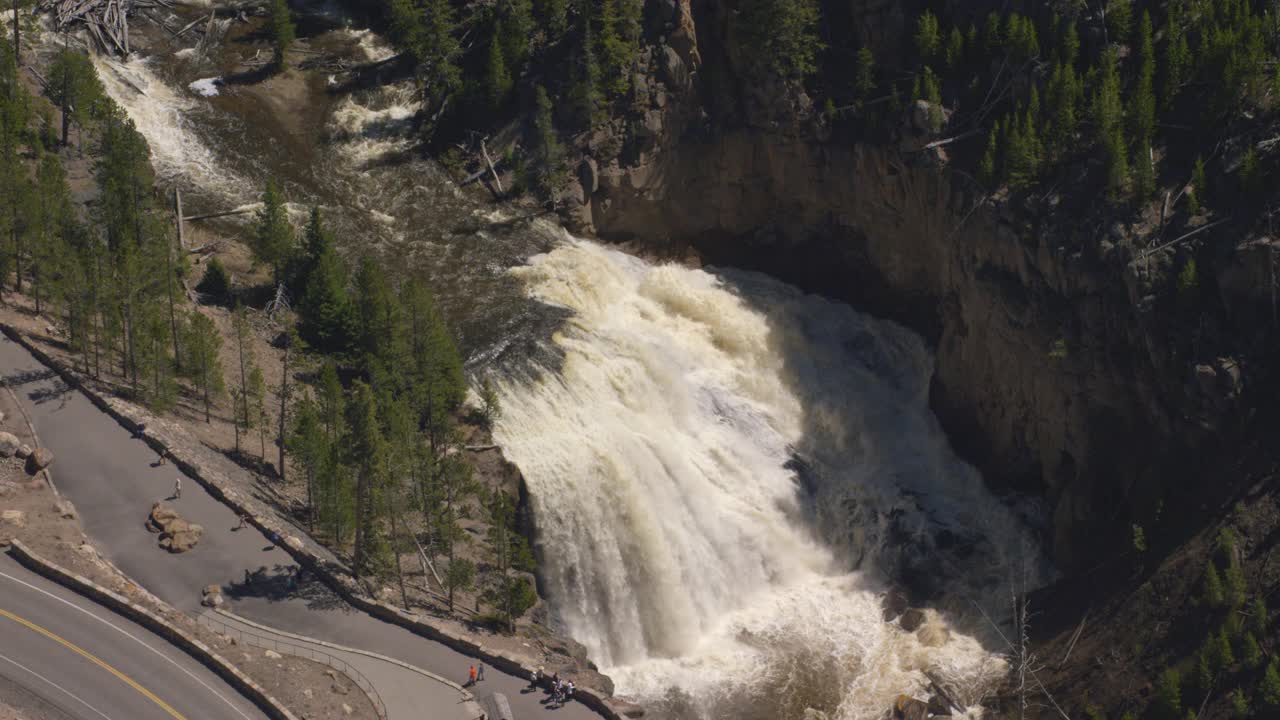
{"x": 672, "y": 531}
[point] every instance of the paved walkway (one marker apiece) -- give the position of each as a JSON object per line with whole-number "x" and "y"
{"x": 109, "y": 477}
{"x": 90, "y": 663}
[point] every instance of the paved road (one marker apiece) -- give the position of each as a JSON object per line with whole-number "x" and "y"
{"x": 92, "y": 664}
{"x": 108, "y": 475}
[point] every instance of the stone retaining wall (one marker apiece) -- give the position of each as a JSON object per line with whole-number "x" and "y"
{"x": 331, "y": 573}
{"x": 155, "y": 624}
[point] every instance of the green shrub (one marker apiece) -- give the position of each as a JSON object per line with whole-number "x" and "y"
{"x": 216, "y": 281}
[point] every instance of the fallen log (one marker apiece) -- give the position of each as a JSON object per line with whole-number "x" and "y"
{"x": 228, "y": 213}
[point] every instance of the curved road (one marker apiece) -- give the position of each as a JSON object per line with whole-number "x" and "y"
{"x": 109, "y": 477}
{"x": 91, "y": 664}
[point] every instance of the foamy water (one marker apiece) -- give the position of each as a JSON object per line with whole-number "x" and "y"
{"x": 672, "y": 533}
{"x": 167, "y": 120}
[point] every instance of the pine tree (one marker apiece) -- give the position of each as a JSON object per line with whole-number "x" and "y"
{"x": 74, "y": 87}
{"x": 498, "y": 81}
{"x": 368, "y": 447}
{"x": 283, "y": 32}
{"x": 309, "y": 447}
{"x": 1250, "y": 652}
{"x": 1119, "y": 19}
{"x": 1177, "y": 57}
{"x": 1143, "y": 104}
{"x": 1211, "y": 587}
{"x": 928, "y": 38}
{"x": 203, "y": 346}
{"x": 54, "y": 226}
{"x": 247, "y": 365}
{"x": 549, "y": 156}
{"x": 273, "y": 235}
{"x": 864, "y": 74}
{"x": 377, "y": 316}
{"x": 1239, "y": 705}
{"x": 784, "y": 34}
{"x": 425, "y": 28}
{"x": 436, "y": 377}
{"x": 257, "y": 407}
{"x": 490, "y": 407}
{"x": 585, "y": 94}
{"x": 1108, "y": 116}
{"x": 553, "y": 16}
{"x": 515, "y": 27}
{"x": 987, "y": 166}
{"x": 459, "y": 576}
{"x": 1168, "y": 696}
{"x": 1199, "y": 190}
{"x": 955, "y": 48}
{"x": 507, "y": 551}
{"x": 1258, "y": 619}
{"x": 1144, "y": 176}
{"x": 325, "y": 308}
{"x": 1269, "y": 688}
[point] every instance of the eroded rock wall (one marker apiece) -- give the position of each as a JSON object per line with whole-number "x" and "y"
{"x": 1059, "y": 371}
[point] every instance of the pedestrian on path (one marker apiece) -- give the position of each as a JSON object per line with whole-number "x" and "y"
{"x": 160, "y": 459}
{"x": 472, "y": 675}
{"x": 244, "y": 521}
{"x": 177, "y": 489}
{"x": 480, "y": 673}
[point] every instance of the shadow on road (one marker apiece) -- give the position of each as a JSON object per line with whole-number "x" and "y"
{"x": 286, "y": 582}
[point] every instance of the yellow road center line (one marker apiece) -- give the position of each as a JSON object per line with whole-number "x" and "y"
{"x": 94, "y": 659}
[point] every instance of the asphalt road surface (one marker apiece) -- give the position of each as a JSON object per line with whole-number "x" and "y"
{"x": 89, "y": 663}
{"x": 110, "y": 477}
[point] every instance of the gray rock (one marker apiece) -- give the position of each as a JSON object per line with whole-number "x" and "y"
{"x": 589, "y": 176}
{"x": 938, "y": 705}
{"x": 214, "y": 601}
{"x": 273, "y": 654}
{"x": 909, "y": 708}
{"x": 16, "y": 518}
{"x": 893, "y": 604}
{"x": 674, "y": 72}
{"x": 912, "y": 619}
{"x": 40, "y": 459}
{"x": 65, "y": 510}
{"x": 339, "y": 689}
{"x": 24, "y": 451}
{"x": 9, "y": 444}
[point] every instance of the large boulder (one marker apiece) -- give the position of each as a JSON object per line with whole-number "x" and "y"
{"x": 24, "y": 451}
{"x": 40, "y": 459}
{"x": 909, "y": 708}
{"x": 9, "y": 444}
{"x": 176, "y": 535}
{"x": 181, "y": 536}
{"x": 912, "y": 619}
{"x": 160, "y": 517}
{"x": 893, "y": 604}
{"x": 16, "y": 518}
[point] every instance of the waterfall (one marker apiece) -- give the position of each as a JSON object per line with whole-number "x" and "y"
{"x": 675, "y": 539}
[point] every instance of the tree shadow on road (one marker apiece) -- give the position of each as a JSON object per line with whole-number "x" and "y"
{"x": 39, "y": 394}
{"x": 281, "y": 583}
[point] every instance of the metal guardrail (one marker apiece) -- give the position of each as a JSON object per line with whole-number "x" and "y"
{"x": 296, "y": 650}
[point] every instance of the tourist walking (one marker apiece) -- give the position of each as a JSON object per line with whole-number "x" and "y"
{"x": 244, "y": 521}
{"x": 472, "y": 675}
{"x": 177, "y": 488}
{"x": 480, "y": 672}
{"x": 160, "y": 460}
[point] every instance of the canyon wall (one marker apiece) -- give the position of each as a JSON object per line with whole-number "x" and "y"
{"x": 1067, "y": 369}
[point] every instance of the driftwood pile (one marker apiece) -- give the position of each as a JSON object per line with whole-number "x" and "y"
{"x": 106, "y": 20}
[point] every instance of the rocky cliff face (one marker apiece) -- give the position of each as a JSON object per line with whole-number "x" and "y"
{"x": 1066, "y": 368}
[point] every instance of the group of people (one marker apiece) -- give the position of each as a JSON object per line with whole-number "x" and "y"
{"x": 561, "y": 690}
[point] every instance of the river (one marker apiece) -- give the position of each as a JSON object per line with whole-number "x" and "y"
{"x": 726, "y": 473}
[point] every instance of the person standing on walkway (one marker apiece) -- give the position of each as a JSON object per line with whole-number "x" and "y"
{"x": 480, "y": 673}
{"x": 177, "y": 489}
{"x": 160, "y": 460}
{"x": 244, "y": 520}
{"x": 472, "y": 675}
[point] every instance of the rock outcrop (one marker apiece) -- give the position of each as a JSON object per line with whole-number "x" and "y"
{"x": 176, "y": 535}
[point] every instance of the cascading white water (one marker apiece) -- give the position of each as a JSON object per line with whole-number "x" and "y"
{"x": 676, "y": 541}
{"x": 165, "y": 119}
{"x": 671, "y": 530}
